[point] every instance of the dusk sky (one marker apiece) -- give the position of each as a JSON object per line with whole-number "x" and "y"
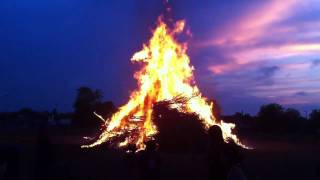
{"x": 245, "y": 52}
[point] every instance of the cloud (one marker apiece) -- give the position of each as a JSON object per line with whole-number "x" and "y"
{"x": 267, "y": 53}
{"x": 316, "y": 62}
{"x": 297, "y": 66}
{"x": 263, "y": 36}
{"x": 253, "y": 25}
{"x": 269, "y": 71}
{"x": 301, "y": 93}
{"x": 266, "y": 32}
{"x": 223, "y": 68}
{"x": 275, "y": 52}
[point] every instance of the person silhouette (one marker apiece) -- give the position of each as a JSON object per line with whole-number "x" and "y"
{"x": 223, "y": 158}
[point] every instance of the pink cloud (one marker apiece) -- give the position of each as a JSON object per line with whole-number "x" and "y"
{"x": 297, "y": 66}
{"x": 255, "y": 24}
{"x": 223, "y": 68}
{"x": 263, "y": 38}
{"x": 256, "y": 57}
{"x": 237, "y": 40}
{"x": 274, "y": 52}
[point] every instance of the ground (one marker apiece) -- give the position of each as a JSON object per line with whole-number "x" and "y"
{"x": 272, "y": 158}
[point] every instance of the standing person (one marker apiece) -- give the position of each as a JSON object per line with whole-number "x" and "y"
{"x": 223, "y": 158}
{"x": 150, "y": 162}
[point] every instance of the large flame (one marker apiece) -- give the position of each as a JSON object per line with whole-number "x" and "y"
{"x": 166, "y": 74}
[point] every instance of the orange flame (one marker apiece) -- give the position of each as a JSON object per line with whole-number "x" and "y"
{"x": 166, "y": 74}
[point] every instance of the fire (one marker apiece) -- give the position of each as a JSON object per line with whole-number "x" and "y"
{"x": 166, "y": 73}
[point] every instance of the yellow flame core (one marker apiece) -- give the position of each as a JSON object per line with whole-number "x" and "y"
{"x": 166, "y": 73}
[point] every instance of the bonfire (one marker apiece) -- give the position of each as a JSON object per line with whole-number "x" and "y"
{"x": 165, "y": 76}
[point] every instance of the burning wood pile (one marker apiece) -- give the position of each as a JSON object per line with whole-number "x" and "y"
{"x": 164, "y": 80}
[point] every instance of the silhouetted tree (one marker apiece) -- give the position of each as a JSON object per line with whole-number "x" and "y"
{"x": 274, "y": 118}
{"x": 84, "y": 106}
{"x": 293, "y": 119}
{"x": 292, "y": 114}
{"x": 271, "y": 117}
{"x": 105, "y": 109}
{"x": 315, "y": 115}
{"x": 271, "y": 111}
{"x": 243, "y": 121}
{"x": 314, "y": 120}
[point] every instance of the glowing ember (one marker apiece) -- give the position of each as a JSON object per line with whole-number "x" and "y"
{"x": 166, "y": 74}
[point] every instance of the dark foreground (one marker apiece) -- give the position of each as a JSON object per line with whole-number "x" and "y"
{"x": 271, "y": 158}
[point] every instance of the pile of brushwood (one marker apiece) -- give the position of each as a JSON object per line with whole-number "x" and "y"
{"x": 178, "y": 131}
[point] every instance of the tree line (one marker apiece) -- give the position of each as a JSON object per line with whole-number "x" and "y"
{"x": 272, "y": 118}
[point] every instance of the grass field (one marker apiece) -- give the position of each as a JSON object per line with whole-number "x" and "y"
{"x": 271, "y": 158}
